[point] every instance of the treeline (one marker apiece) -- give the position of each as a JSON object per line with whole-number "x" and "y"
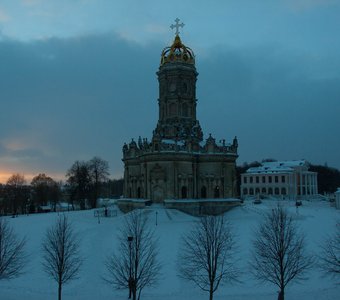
{"x": 86, "y": 181}
{"x": 328, "y": 177}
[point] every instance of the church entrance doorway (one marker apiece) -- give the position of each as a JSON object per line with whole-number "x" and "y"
{"x": 158, "y": 194}
{"x": 184, "y": 192}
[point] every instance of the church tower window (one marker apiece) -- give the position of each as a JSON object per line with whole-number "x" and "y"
{"x": 173, "y": 109}
{"x": 185, "y": 110}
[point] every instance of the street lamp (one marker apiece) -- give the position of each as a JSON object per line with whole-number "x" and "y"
{"x": 156, "y": 217}
{"x": 130, "y": 239}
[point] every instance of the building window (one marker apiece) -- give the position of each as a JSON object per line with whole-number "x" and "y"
{"x": 263, "y": 179}
{"x": 138, "y": 193}
{"x": 257, "y": 191}
{"x": 283, "y": 178}
{"x": 276, "y": 179}
{"x": 251, "y": 191}
{"x": 184, "y": 192}
{"x": 264, "y": 191}
{"x": 277, "y": 191}
{"x": 173, "y": 109}
{"x": 203, "y": 192}
{"x": 244, "y": 179}
{"x": 185, "y": 110}
{"x": 251, "y": 179}
{"x": 270, "y": 179}
{"x": 270, "y": 191}
{"x": 217, "y": 192}
{"x": 257, "y": 179}
{"x": 283, "y": 191}
{"x": 245, "y": 191}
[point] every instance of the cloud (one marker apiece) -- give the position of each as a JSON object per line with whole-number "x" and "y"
{"x": 71, "y": 99}
{"x": 31, "y": 2}
{"x": 76, "y": 98}
{"x": 4, "y": 17}
{"x": 156, "y": 28}
{"x": 303, "y": 5}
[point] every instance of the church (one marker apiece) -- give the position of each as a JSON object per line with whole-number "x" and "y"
{"x": 177, "y": 163}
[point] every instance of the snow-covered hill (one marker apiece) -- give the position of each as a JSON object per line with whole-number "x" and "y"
{"x": 316, "y": 219}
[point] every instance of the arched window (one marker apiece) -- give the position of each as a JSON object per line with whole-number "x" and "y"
{"x": 277, "y": 191}
{"x": 283, "y": 191}
{"x": 270, "y": 191}
{"x": 251, "y": 191}
{"x": 245, "y": 191}
{"x": 185, "y": 110}
{"x": 264, "y": 191}
{"x": 203, "y": 192}
{"x": 217, "y": 192}
{"x": 173, "y": 109}
{"x": 257, "y": 191}
{"x": 184, "y": 192}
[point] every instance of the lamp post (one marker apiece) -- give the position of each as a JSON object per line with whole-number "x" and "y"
{"x": 156, "y": 217}
{"x": 130, "y": 239}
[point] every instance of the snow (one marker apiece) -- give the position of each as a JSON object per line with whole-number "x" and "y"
{"x": 232, "y": 200}
{"x": 278, "y": 166}
{"x": 316, "y": 219}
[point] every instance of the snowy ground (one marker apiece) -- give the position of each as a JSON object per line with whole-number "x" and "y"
{"x": 316, "y": 219}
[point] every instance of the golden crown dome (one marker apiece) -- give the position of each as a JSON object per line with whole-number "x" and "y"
{"x": 177, "y": 52}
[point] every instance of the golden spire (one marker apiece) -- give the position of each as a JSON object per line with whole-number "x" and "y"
{"x": 177, "y": 52}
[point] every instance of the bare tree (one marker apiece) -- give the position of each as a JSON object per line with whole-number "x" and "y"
{"x": 12, "y": 252}
{"x": 279, "y": 254}
{"x": 79, "y": 182}
{"x": 17, "y": 193}
{"x": 61, "y": 258}
{"x": 99, "y": 172}
{"x": 330, "y": 254}
{"x": 45, "y": 190}
{"x": 207, "y": 254}
{"x": 135, "y": 266}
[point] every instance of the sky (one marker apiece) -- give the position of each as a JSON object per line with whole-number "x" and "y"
{"x": 78, "y": 78}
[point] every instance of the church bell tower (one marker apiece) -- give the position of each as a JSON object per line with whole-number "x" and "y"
{"x": 177, "y": 163}
{"x": 177, "y": 77}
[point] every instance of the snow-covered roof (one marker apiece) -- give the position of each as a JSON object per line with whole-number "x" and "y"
{"x": 278, "y": 166}
{"x": 173, "y": 142}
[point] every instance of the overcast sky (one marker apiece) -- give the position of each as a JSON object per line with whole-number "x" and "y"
{"x": 77, "y": 78}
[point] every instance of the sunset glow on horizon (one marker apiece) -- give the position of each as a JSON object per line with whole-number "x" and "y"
{"x": 5, "y": 175}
